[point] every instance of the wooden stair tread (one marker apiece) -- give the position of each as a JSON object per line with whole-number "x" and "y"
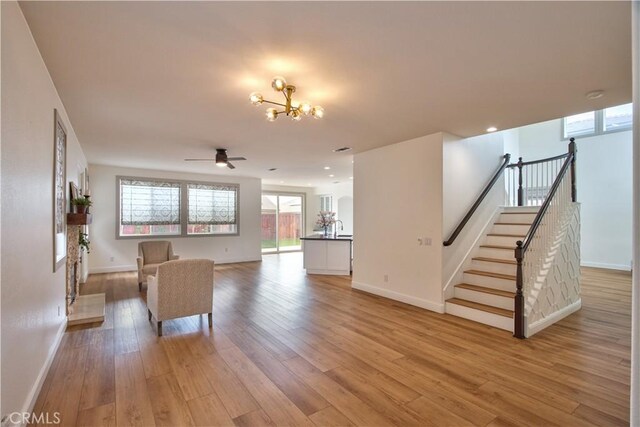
{"x": 498, "y": 247}
{"x": 482, "y": 307}
{"x": 486, "y": 290}
{"x": 512, "y": 223}
{"x": 490, "y": 274}
{"x": 506, "y": 235}
{"x": 498, "y": 260}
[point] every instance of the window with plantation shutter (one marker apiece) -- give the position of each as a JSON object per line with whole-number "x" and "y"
{"x": 158, "y": 207}
{"x": 213, "y": 208}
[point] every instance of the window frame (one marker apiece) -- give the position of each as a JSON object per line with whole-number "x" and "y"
{"x": 184, "y": 208}
{"x": 598, "y": 125}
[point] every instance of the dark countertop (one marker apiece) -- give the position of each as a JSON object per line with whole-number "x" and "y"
{"x": 321, "y": 237}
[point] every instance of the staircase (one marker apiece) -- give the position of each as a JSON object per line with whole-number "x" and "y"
{"x": 488, "y": 287}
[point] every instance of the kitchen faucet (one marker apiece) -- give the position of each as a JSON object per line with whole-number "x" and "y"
{"x": 335, "y": 228}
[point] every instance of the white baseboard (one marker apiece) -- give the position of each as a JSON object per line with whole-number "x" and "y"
{"x": 30, "y": 401}
{"x": 114, "y": 269}
{"x": 622, "y": 267}
{"x": 132, "y": 267}
{"x": 408, "y": 299}
{"x": 553, "y": 318}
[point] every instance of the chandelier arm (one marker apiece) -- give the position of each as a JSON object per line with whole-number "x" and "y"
{"x": 274, "y": 103}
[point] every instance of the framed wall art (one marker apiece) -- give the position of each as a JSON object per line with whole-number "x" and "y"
{"x": 59, "y": 192}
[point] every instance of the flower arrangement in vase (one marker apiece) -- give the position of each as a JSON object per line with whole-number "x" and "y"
{"x": 325, "y": 220}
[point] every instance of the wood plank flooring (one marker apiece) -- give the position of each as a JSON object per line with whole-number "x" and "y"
{"x": 298, "y": 350}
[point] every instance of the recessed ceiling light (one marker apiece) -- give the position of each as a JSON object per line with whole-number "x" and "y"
{"x": 331, "y": 176}
{"x": 327, "y": 168}
{"x": 309, "y": 184}
{"x": 350, "y": 177}
{"x": 341, "y": 149}
{"x": 281, "y": 182}
{"x": 492, "y": 129}
{"x": 595, "y": 94}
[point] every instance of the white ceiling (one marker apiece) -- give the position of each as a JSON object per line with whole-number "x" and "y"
{"x": 147, "y": 84}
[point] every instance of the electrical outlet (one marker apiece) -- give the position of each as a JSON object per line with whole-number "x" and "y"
{"x": 427, "y": 241}
{"x": 386, "y": 278}
{"x": 112, "y": 259}
{"x": 58, "y": 311}
{"x": 226, "y": 249}
{"x": 419, "y": 241}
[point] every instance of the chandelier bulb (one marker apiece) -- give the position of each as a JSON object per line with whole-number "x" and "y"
{"x": 305, "y": 108}
{"x": 256, "y": 98}
{"x": 317, "y": 112}
{"x": 272, "y": 114}
{"x": 279, "y": 83}
{"x": 296, "y": 115}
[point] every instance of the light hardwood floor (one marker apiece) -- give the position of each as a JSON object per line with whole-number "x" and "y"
{"x": 291, "y": 349}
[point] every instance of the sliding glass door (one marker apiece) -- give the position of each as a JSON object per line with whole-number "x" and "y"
{"x": 282, "y": 222}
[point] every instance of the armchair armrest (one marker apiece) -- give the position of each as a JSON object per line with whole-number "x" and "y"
{"x": 152, "y": 295}
{"x": 172, "y": 257}
{"x": 140, "y": 263}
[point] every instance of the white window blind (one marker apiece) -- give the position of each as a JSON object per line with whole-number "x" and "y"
{"x": 213, "y": 204}
{"x": 147, "y": 202}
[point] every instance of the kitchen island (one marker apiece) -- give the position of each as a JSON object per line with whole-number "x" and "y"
{"x": 327, "y": 255}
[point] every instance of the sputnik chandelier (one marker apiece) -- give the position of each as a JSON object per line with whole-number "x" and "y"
{"x": 291, "y": 109}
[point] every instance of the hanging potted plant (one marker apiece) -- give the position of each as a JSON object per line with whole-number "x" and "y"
{"x": 81, "y": 204}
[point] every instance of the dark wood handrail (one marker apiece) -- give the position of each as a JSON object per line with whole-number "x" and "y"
{"x": 522, "y": 245}
{"x": 533, "y": 162}
{"x": 478, "y": 201}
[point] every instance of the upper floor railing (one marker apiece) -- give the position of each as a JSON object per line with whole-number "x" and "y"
{"x": 526, "y": 184}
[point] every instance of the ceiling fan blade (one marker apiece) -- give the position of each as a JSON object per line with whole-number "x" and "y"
{"x": 199, "y": 160}
{"x": 236, "y": 158}
{"x": 230, "y": 166}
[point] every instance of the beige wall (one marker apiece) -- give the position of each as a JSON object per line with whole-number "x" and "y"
{"x": 33, "y": 297}
{"x": 398, "y": 199}
{"x": 111, "y": 254}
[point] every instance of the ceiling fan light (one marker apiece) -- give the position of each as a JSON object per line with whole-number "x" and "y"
{"x": 256, "y": 98}
{"x": 317, "y": 112}
{"x": 221, "y": 164}
{"x": 305, "y": 108}
{"x": 279, "y": 83}
{"x": 272, "y": 114}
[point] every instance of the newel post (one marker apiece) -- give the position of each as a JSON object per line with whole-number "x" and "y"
{"x": 573, "y": 150}
{"x": 520, "y": 190}
{"x": 518, "y": 325}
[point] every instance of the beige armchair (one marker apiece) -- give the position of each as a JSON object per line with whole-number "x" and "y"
{"x": 180, "y": 288}
{"x": 150, "y": 255}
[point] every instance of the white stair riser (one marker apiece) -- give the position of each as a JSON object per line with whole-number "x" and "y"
{"x": 527, "y": 209}
{"x": 484, "y": 298}
{"x": 490, "y": 282}
{"x": 517, "y": 218}
{"x": 510, "y": 229}
{"x": 502, "y": 240}
{"x": 493, "y": 267}
{"x": 496, "y": 253}
{"x": 490, "y": 319}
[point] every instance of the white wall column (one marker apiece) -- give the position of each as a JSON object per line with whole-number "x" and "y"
{"x": 635, "y": 322}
